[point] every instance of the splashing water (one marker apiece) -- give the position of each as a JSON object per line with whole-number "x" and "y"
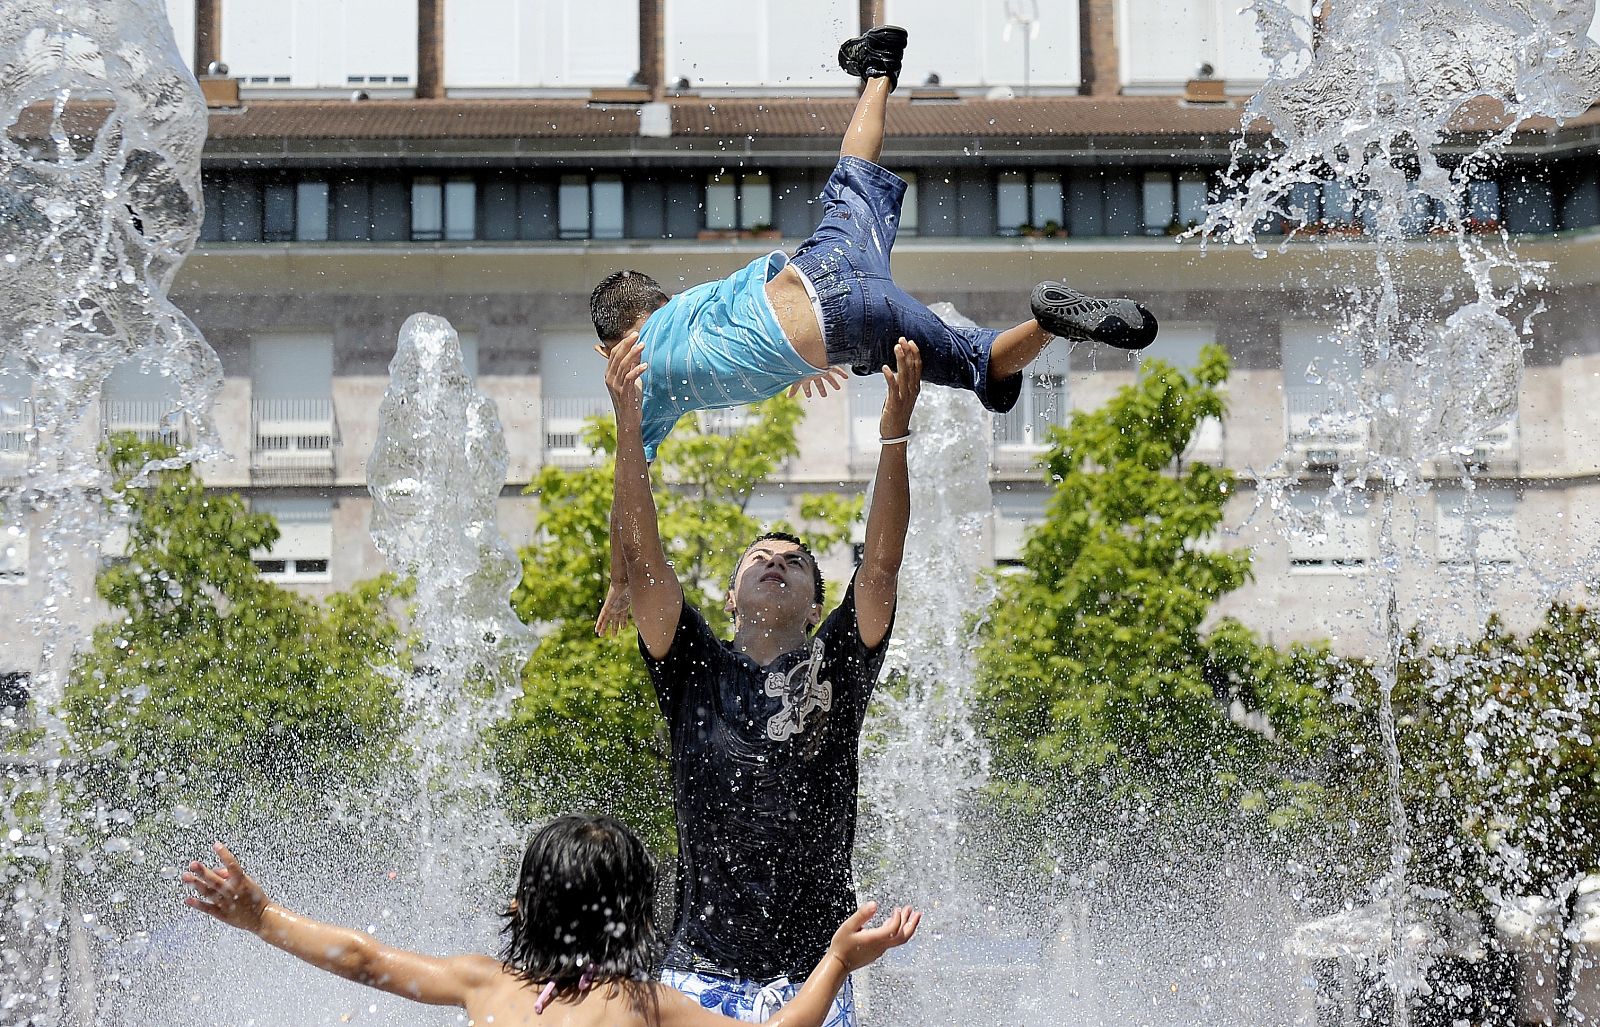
{"x": 101, "y": 129}
{"x": 1361, "y": 98}
{"x": 435, "y": 477}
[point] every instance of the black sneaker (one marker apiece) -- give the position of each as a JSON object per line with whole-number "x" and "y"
{"x": 1072, "y": 315}
{"x": 875, "y": 52}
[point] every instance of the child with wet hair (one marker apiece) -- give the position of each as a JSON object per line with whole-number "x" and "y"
{"x": 581, "y": 940}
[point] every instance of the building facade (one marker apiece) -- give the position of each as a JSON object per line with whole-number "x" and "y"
{"x": 490, "y": 160}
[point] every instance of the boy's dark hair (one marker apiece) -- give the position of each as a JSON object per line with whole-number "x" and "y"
{"x": 585, "y": 897}
{"x": 620, "y": 299}
{"x": 783, "y": 536}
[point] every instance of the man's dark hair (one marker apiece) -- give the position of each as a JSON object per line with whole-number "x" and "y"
{"x": 783, "y": 536}
{"x": 620, "y": 299}
{"x": 585, "y": 900}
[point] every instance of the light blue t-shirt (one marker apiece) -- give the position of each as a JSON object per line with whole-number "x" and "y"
{"x": 716, "y": 345}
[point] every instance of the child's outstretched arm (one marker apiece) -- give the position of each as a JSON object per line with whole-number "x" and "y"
{"x": 877, "y": 581}
{"x": 854, "y": 946}
{"x": 230, "y": 895}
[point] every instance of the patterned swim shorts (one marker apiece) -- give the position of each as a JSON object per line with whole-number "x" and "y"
{"x": 754, "y": 1001}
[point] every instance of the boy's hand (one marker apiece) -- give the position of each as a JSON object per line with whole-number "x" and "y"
{"x": 904, "y": 383}
{"x": 623, "y": 371}
{"x": 855, "y": 944}
{"x": 615, "y": 611}
{"x": 226, "y": 892}
{"x": 833, "y": 377}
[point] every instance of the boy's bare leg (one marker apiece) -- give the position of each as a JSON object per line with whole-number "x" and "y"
{"x": 864, "y": 137}
{"x": 1015, "y": 349}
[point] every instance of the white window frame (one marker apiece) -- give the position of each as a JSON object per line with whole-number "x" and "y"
{"x": 305, "y": 524}
{"x": 1342, "y": 543}
{"x": 14, "y": 555}
{"x": 1495, "y": 511}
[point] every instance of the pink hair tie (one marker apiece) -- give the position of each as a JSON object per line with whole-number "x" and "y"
{"x": 544, "y": 998}
{"x": 587, "y": 980}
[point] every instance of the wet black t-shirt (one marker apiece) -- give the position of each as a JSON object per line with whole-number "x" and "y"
{"x": 764, "y": 773}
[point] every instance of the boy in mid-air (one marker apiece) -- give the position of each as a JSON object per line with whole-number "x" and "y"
{"x": 781, "y": 321}
{"x": 784, "y": 321}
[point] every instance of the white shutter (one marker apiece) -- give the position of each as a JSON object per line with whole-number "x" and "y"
{"x": 305, "y": 526}
{"x": 1334, "y": 531}
{"x": 1014, "y": 514}
{"x": 591, "y": 42}
{"x": 13, "y": 555}
{"x": 484, "y": 44}
{"x": 291, "y": 365}
{"x": 180, "y": 13}
{"x": 1487, "y": 518}
{"x": 734, "y": 43}
{"x": 370, "y": 42}
{"x": 258, "y": 40}
{"x": 977, "y": 44}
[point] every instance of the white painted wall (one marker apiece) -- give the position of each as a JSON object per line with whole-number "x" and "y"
{"x": 757, "y": 43}
{"x": 320, "y": 43}
{"x": 530, "y": 44}
{"x": 1162, "y": 43}
{"x": 973, "y": 43}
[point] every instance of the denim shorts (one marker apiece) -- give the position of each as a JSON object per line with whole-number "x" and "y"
{"x": 864, "y": 313}
{"x": 754, "y": 1001}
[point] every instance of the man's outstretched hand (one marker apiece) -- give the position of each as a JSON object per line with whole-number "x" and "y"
{"x": 615, "y": 612}
{"x": 624, "y": 368}
{"x": 832, "y": 378}
{"x": 904, "y": 383}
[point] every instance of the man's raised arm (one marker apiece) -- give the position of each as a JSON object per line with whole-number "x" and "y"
{"x": 653, "y": 589}
{"x": 879, "y": 575}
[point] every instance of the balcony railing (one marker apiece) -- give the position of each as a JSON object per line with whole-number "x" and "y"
{"x": 17, "y": 437}
{"x": 292, "y": 441}
{"x": 152, "y": 420}
{"x": 1324, "y": 436}
{"x": 565, "y": 420}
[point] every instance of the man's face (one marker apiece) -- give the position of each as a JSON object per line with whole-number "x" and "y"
{"x": 776, "y": 579}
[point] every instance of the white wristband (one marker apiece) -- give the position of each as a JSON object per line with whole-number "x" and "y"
{"x": 895, "y": 442}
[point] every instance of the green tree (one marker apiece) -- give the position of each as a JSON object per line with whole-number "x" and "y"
{"x": 586, "y": 732}
{"x": 1097, "y": 670}
{"x": 208, "y": 672}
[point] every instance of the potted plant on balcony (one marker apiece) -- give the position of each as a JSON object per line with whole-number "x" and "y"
{"x": 1053, "y": 230}
{"x": 764, "y": 231}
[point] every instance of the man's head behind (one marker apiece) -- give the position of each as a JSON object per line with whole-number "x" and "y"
{"x": 585, "y": 895}
{"x": 620, "y": 300}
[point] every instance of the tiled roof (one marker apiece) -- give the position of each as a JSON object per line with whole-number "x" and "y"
{"x": 1079, "y": 118}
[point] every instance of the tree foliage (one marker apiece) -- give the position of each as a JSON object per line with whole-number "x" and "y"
{"x": 208, "y": 670}
{"x": 1097, "y": 661}
{"x": 587, "y": 731}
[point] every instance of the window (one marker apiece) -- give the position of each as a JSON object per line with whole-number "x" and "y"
{"x": 515, "y": 209}
{"x": 1174, "y": 201}
{"x": 16, "y": 420}
{"x": 1483, "y": 205}
{"x": 572, "y": 384}
{"x": 1028, "y": 202}
{"x": 908, "y": 205}
{"x": 375, "y": 210}
{"x": 1480, "y": 523}
{"x": 13, "y": 555}
{"x": 499, "y": 45}
{"x": 293, "y": 432}
{"x": 311, "y": 211}
{"x": 1330, "y": 532}
{"x": 1025, "y": 429}
{"x": 305, "y": 540}
{"x": 739, "y": 200}
{"x": 1176, "y": 39}
{"x": 757, "y": 43}
{"x": 320, "y": 43}
{"x": 277, "y": 212}
{"x": 1321, "y": 389}
{"x": 1179, "y": 345}
{"x": 143, "y": 401}
{"x": 978, "y": 45}
{"x": 443, "y": 208}
{"x": 1016, "y": 511}
{"x": 866, "y": 396}
{"x": 590, "y": 207}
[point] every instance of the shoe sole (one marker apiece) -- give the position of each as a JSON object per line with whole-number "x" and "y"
{"x": 1065, "y": 312}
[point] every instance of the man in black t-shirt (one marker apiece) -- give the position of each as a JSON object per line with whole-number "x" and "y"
{"x": 765, "y": 729}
